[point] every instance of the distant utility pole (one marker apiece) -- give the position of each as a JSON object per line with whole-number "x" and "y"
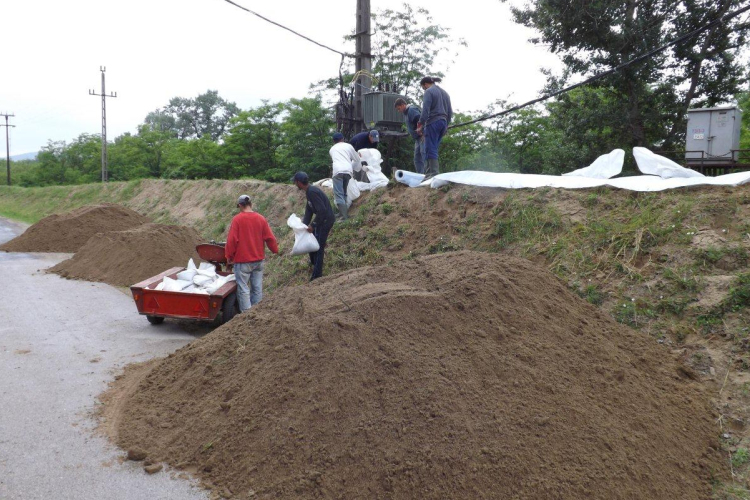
{"x": 363, "y": 62}
{"x": 7, "y": 141}
{"x": 105, "y": 175}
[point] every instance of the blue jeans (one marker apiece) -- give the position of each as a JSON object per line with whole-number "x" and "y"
{"x": 249, "y": 273}
{"x": 340, "y": 183}
{"x": 433, "y": 134}
{"x": 419, "y": 155}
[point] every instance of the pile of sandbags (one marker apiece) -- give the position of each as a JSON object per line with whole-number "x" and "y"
{"x": 203, "y": 280}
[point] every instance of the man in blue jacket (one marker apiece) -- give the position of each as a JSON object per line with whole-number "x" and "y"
{"x": 413, "y": 113}
{"x": 318, "y": 206}
{"x": 437, "y": 113}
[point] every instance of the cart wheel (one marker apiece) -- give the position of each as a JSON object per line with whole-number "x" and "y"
{"x": 155, "y": 320}
{"x": 229, "y": 308}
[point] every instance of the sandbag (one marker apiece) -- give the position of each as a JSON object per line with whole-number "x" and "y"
{"x": 352, "y": 191}
{"x": 171, "y": 285}
{"x": 223, "y": 280}
{"x": 304, "y": 242}
{"x": 187, "y": 274}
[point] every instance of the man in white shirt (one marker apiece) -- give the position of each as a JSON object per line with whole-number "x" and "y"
{"x": 345, "y": 161}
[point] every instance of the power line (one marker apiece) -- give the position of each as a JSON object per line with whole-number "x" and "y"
{"x": 342, "y": 54}
{"x": 594, "y": 78}
{"x": 7, "y": 142}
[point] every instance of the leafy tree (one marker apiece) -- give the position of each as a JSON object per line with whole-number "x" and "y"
{"x": 254, "y": 136}
{"x": 647, "y": 102}
{"x": 190, "y": 118}
{"x": 306, "y": 131}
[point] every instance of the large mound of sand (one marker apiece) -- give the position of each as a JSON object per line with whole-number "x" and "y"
{"x": 123, "y": 258}
{"x": 460, "y": 375}
{"x": 70, "y": 231}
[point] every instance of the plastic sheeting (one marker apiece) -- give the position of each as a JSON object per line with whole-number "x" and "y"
{"x": 604, "y": 167}
{"x": 665, "y": 175}
{"x": 653, "y": 164}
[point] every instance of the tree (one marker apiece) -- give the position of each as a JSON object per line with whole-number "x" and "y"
{"x": 647, "y": 101}
{"x": 191, "y": 118}
{"x": 253, "y": 138}
{"x": 306, "y": 131}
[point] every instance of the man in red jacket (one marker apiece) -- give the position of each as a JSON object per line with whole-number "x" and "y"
{"x": 245, "y": 249}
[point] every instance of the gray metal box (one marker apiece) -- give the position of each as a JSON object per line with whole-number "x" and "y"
{"x": 379, "y": 111}
{"x": 712, "y": 135}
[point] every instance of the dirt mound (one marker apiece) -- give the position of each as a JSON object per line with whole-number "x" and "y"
{"x": 462, "y": 375}
{"x": 70, "y": 231}
{"x": 123, "y": 258}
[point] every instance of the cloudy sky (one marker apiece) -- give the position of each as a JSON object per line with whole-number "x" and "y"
{"x": 158, "y": 49}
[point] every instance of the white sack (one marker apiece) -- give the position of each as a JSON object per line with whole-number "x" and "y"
{"x": 191, "y": 265}
{"x": 604, "y": 167}
{"x": 171, "y": 285}
{"x": 207, "y": 266}
{"x": 187, "y": 274}
{"x": 352, "y": 191}
{"x": 373, "y": 158}
{"x": 653, "y": 164}
{"x": 160, "y": 286}
{"x": 411, "y": 179}
{"x": 201, "y": 280}
{"x": 304, "y": 242}
{"x": 326, "y": 183}
{"x": 223, "y": 280}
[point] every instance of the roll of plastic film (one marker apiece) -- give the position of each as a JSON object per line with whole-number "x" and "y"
{"x": 411, "y": 179}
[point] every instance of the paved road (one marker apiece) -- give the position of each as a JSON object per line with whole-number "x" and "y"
{"x": 61, "y": 342}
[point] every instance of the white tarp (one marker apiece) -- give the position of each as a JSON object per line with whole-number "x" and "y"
{"x": 653, "y": 164}
{"x": 604, "y": 167}
{"x": 666, "y": 175}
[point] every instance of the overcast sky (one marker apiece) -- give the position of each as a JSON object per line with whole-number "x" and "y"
{"x": 158, "y": 49}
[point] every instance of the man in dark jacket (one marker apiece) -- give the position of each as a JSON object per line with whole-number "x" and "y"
{"x": 366, "y": 139}
{"x": 412, "y": 120}
{"x": 319, "y": 207}
{"x": 437, "y": 113}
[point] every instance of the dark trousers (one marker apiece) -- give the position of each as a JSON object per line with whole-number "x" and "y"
{"x": 316, "y": 258}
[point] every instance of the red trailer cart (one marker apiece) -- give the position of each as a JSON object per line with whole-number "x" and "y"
{"x": 158, "y": 304}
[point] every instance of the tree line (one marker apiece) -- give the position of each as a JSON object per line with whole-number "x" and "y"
{"x": 644, "y": 105}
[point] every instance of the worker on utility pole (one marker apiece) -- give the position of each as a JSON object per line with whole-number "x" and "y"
{"x": 317, "y": 206}
{"x": 345, "y": 161}
{"x": 437, "y": 113}
{"x": 245, "y": 249}
{"x": 412, "y": 114}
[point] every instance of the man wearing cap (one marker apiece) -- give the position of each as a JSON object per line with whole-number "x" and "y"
{"x": 318, "y": 206}
{"x": 364, "y": 140}
{"x": 345, "y": 161}
{"x": 437, "y": 113}
{"x": 248, "y": 233}
{"x": 412, "y": 114}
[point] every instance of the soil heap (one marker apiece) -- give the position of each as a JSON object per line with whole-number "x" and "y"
{"x": 122, "y": 258}
{"x": 69, "y": 231}
{"x": 461, "y": 375}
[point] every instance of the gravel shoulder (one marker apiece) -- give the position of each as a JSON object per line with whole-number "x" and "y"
{"x": 61, "y": 343}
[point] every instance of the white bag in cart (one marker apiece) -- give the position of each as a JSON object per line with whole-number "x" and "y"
{"x": 304, "y": 242}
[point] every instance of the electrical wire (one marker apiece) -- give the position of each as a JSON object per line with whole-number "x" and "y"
{"x": 342, "y": 54}
{"x": 594, "y": 78}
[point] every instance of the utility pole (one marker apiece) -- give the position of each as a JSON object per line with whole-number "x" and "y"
{"x": 7, "y": 142}
{"x": 105, "y": 175}
{"x": 363, "y": 62}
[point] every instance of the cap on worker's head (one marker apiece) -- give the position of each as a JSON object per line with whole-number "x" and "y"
{"x": 430, "y": 79}
{"x": 375, "y": 135}
{"x": 338, "y": 136}
{"x": 301, "y": 177}
{"x": 244, "y": 200}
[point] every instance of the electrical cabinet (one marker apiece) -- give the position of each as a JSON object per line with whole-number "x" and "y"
{"x": 713, "y": 135}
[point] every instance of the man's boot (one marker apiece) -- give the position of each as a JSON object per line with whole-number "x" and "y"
{"x": 432, "y": 169}
{"x": 343, "y": 210}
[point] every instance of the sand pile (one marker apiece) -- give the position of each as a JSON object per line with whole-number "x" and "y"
{"x": 461, "y": 375}
{"x": 70, "y": 231}
{"x": 123, "y": 258}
